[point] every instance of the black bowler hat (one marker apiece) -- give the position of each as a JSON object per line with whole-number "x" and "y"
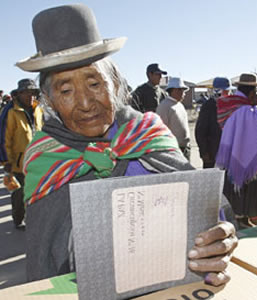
{"x": 67, "y": 37}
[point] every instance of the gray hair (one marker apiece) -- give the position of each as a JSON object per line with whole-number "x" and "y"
{"x": 117, "y": 86}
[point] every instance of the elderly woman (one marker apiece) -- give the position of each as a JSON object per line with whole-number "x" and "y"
{"x": 84, "y": 97}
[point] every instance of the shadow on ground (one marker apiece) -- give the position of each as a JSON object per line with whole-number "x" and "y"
{"x": 12, "y": 244}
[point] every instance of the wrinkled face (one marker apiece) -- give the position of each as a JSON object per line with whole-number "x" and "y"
{"x": 81, "y": 98}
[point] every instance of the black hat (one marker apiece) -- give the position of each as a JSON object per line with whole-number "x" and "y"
{"x": 67, "y": 37}
{"x": 24, "y": 85}
{"x": 154, "y": 68}
{"x": 247, "y": 79}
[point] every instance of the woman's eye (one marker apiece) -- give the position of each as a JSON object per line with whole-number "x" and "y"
{"x": 94, "y": 84}
{"x": 66, "y": 91}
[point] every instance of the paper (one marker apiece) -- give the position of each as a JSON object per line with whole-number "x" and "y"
{"x": 149, "y": 234}
{"x": 121, "y": 257}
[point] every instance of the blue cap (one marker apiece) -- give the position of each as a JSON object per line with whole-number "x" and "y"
{"x": 222, "y": 83}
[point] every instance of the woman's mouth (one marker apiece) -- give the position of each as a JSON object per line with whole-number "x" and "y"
{"x": 90, "y": 119}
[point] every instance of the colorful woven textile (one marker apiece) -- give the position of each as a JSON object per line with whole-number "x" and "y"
{"x": 238, "y": 146}
{"x": 49, "y": 164}
{"x": 227, "y": 105}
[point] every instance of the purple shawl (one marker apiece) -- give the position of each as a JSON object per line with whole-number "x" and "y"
{"x": 237, "y": 152}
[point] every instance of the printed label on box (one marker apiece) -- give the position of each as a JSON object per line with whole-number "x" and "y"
{"x": 149, "y": 234}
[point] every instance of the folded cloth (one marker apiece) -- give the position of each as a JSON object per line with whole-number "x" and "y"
{"x": 237, "y": 152}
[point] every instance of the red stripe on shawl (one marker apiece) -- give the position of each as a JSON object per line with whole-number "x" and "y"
{"x": 52, "y": 180}
{"x": 33, "y": 157}
{"x": 122, "y": 149}
{"x": 70, "y": 175}
{"x": 62, "y": 149}
{"x": 37, "y": 142}
{"x": 37, "y": 154}
{"x": 130, "y": 126}
{"x": 227, "y": 101}
{"x": 151, "y": 133}
{"x": 34, "y": 195}
{"x": 227, "y": 105}
{"x": 98, "y": 147}
{"x": 58, "y": 174}
{"x": 148, "y": 117}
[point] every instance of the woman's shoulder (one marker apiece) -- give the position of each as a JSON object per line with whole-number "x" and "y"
{"x": 167, "y": 161}
{"x": 126, "y": 113}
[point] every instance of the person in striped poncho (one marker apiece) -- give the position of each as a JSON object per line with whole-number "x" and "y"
{"x": 237, "y": 153}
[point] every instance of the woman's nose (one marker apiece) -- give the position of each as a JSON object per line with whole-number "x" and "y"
{"x": 85, "y": 98}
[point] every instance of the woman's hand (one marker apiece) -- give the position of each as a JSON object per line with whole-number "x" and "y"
{"x": 212, "y": 253}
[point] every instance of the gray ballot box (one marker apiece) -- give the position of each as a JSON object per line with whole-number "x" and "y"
{"x": 132, "y": 234}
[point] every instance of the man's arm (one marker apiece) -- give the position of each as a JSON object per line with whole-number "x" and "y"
{"x": 136, "y": 101}
{"x": 9, "y": 134}
{"x": 164, "y": 94}
{"x": 162, "y": 110}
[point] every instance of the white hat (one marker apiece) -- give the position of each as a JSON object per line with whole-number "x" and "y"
{"x": 177, "y": 83}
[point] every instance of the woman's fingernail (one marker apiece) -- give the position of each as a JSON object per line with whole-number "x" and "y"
{"x": 193, "y": 264}
{"x": 192, "y": 253}
{"x": 199, "y": 240}
{"x": 207, "y": 279}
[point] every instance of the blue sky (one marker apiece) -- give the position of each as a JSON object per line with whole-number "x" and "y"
{"x": 196, "y": 40}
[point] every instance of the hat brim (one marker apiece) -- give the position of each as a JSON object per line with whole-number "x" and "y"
{"x": 180, "y": 87}
{"x": 161, "y": 72}
{"x": 73, "y": 57}
{"x": 15, "y": 91}
{"x": 236, "y": 83}
{"x": 230, "y": 88}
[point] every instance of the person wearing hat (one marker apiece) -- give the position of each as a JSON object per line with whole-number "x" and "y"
{"x": 89, "y": 133}
{"x": 5, "y": 100}
{"x": 207, "y": 129}
{"x": 237, "y": 151}
{"x": 147, "y": 96}
{"x": 23, "y": 119}
{"x": 244, "y": 95}
{"x": 174, "y": 115}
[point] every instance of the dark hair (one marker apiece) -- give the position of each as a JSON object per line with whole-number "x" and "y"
{"x": 246, "y": 89}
